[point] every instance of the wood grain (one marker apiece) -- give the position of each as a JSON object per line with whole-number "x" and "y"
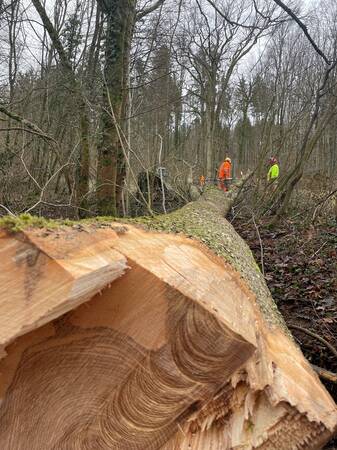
{"x": 125, "y": 369}
{"x": 44, "y": 274}
{"x": 120, "y": 338}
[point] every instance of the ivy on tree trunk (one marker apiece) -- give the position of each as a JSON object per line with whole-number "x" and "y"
{"x": 111, "y": 162}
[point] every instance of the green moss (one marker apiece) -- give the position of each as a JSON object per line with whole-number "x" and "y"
{"x": 24, "y": 221}
{"x": 15, "y": 224}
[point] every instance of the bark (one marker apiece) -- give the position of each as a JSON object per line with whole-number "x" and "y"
{"x": 121, "y": 16}
{"x": 184, "y": 349}
{"x": 111, "y": 159}
{"x": 209, "y": 144}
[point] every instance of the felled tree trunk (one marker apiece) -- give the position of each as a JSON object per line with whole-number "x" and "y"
{"x": 131, "y": 336}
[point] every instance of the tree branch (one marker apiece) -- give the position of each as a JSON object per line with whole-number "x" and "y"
{"x": 304, "y": 29}
{"x": 233, "y": 23}
{"x": 325, "y": 374}
{"x": 150, "y": 9}
{"x": 316, "y": 336}
{"x": 53, "y": 35}
{"x": 29, "y": 126}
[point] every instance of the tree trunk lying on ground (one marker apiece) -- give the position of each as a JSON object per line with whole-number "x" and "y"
{"x": 119, "y": 336}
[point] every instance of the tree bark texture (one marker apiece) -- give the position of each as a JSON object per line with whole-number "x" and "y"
{"x": 111, "y": 159}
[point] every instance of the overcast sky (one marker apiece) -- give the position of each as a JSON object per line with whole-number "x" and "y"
{"x": 32, "y": 30}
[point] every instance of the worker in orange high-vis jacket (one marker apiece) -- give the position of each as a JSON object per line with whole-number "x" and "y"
{"x": 225, "y": 174}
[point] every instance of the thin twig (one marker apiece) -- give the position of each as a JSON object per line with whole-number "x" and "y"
{"x": 325, "y": 374}
{"x": 317, "y": 251}
{"x": 316, "y": 336}
{"x": 7, "y": 210}
{"x": 322, "y": 201}
{"x": 27, "y": 130}
{"x": 258, "y": 234}
{"x": 24, "y": 163}
{"x": 144, "y": 12}
{"x": 161, "y": 172}
{"x": 50, "y": 179}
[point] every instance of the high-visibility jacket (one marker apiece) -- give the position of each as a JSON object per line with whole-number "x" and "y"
{"x": 273, "y": 172}
{"x": 225, "y": 170}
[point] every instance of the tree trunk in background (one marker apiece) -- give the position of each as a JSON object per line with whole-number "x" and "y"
{"x": 12, "y": 57}
{"x": 312, "y": 136}
{"x": 82, "y": 176}
{"x": 209, "y": 144}
{"x": 111, "y": 162}
{"x": 84, "y": 167}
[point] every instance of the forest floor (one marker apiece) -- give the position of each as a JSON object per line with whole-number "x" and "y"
{"x": 300, "y": 266}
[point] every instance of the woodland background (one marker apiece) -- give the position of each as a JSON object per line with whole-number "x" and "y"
{"x": 95, "y": 95}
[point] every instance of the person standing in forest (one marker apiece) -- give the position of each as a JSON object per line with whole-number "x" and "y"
{"x": 224, "y": 175}
{"x": 273, "y": 172}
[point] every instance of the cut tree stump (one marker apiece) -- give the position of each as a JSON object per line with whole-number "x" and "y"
{"x": 130, "y": 336}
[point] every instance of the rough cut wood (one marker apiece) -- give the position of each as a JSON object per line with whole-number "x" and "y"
{"x": 43, "y": 277}
{"x": 183, "y": 349}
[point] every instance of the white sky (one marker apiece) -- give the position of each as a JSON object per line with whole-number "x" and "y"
{"x": 32, "y": 30}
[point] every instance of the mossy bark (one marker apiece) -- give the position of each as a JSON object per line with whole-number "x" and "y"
{"x": 204, "y": 220}
{"x": 111, "y": 162}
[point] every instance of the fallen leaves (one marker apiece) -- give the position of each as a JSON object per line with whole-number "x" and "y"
{"x": 301, "y": 273}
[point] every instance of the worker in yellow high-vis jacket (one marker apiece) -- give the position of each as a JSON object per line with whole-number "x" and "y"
{"x": 274, "y": 170}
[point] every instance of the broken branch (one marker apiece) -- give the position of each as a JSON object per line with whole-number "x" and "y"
{"x": 316, "y": 336}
